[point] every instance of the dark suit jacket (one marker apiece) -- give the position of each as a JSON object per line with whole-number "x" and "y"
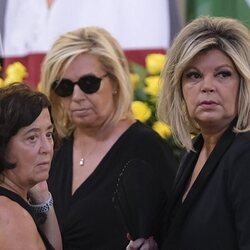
{"x": 216, "y": 212}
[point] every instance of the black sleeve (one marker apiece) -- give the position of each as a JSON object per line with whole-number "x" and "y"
{"x": 239, "y": 194}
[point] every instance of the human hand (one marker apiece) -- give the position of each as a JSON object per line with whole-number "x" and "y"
{"x": 142, "y": 244}
{"x": 39, "y": 193}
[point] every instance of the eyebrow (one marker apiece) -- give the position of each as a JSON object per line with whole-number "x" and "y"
{"x": 225, "y": 65}
{"x": 217, "y": 68}
{"x": 51, "y": 126}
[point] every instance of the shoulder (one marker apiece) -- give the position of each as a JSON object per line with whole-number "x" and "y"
{"x": 148, "y": 139}
{"x": 9, "y": 207}
{"x": 63, "y": 150}
{"x": 143, "y": 133}
{"x": 16, "y": 222}
{"x": 64, "y": 142}
{"x": 146, "y": 144}
{"x": 243, "y": 138}
{"x": 11, "y": 213}
{"x": 240, "y": 147}
{"x": 236, "y": 160}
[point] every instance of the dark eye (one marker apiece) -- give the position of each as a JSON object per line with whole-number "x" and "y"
{"x": 193, "y": 75}
{"x": 224, "y": 74}
{"x": 50, "y": 135}
{"x": 32, "y": 138}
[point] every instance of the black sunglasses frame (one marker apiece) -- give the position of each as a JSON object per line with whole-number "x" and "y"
{"x": 89, "y": 84}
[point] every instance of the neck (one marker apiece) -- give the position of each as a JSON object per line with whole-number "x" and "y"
{"x": 90, "y": 140}
{"x": 210, "y": 141}
{"x": 101, "y": 133}
{"x": 92, "y": 133}
{"x": 10, "y": 185}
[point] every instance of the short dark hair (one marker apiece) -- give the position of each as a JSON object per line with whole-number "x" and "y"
{"x": 19, "y": 107}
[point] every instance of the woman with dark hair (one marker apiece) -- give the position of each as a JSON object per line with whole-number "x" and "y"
{"x": 26, "y": 150}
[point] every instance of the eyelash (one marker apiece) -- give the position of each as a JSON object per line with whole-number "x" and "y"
{"x": 225, "y": 73}
{"x": 196, "y": 74}
{"x": 33, "y": 137}
{"x": 192, "y": 74}
{"x": 50, "y": 135}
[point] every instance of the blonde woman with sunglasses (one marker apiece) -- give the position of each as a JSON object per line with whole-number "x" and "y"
{"x": 86, "y": 76}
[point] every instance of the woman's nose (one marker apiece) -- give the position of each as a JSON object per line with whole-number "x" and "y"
{"x": 208, "y": 85}
{"x": 77, "y": 93}
{"x": 46, "y": 145}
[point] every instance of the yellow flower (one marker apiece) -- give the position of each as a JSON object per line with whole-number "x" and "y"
{"x": 141, "y": 111}
{"x": 154, "y": 63}
{"x": 152, "y": 85}
{"x": 39, "y": 87}
{"x": 162, "y": 129}
{"x": 1, "y": 82}
{"x": 15, "y": 72}
{"x": 134, "y": 78}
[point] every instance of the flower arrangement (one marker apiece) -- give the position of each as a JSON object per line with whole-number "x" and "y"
{"x": 146, "y": 83}
{"x": 15, "y": 72}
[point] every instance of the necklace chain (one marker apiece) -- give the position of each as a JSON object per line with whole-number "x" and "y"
{"x": 83, "y": 159}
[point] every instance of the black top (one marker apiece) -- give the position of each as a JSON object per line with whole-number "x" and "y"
{"x": 88, "y": 219}
{"x": 18, "y": 199}
{"x": 216, "y": 212}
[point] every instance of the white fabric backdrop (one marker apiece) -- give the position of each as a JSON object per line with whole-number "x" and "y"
{"x": 31, "y": 27}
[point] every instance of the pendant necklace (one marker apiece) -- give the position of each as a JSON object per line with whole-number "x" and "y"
{"x": 81, "y": 162}
{"x": 83, "y": 159}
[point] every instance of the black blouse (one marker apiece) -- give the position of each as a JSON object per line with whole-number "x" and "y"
{"x": 215, "y": 213}
{"x": 87, "y": 218}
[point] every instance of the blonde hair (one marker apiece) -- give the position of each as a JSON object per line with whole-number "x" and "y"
{"x": 88, "y": 40}
{"x": 204, "y": 33}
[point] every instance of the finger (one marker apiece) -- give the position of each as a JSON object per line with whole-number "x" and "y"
{"x": 146, "y": 246}
{"x": 149, "y": 244}
{"x": 153, "y": 243}
{"x": 133, "y": 245}
{"x": 128, "y": 236}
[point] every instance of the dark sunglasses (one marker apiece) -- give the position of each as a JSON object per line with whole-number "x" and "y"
{"x": 89, "y": 84}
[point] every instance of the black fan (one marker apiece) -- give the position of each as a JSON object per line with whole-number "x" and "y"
{"x": 138, "y": 199}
